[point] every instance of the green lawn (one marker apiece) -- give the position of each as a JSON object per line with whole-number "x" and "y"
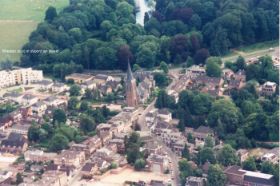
{"x": 18, "y": 18}
{"x": 13, "y": 34}
{"x": 28, "y": 9}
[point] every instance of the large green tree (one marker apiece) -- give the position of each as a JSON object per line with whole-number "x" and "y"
{"x": 75, "y": 90}
{"x": 206, "y": 154}
{"x": 50, "y": 14}
{"x": 58, "y": 142}
{"x": 249, "y": 164}
{"x": 213, "y": 68}
{"x": 227, "y": 156}
{"x": 216, "y": 176}
{"x": 87, "y": 124}
{"x": 59, "y": 116}
{"x": 225, "y": 116}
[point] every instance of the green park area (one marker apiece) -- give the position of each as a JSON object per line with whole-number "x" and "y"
{"x": 18, "y": 18}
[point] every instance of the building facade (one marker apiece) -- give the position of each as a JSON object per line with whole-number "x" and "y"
{"x": 19, "y": 76}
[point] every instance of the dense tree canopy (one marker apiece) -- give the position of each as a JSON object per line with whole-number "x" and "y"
{"x": 102, "y": 34}
{"x": 225, "y": 116}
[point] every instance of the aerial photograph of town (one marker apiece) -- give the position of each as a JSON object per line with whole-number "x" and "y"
{"x": 139, "y": 92}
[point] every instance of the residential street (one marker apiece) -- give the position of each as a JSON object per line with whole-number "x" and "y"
{"x": 173, "y": 157}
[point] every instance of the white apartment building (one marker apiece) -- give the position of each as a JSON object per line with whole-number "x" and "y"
{"x": 19, "y": 76}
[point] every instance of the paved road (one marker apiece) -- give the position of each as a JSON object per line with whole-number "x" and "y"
{"x": 252, "y": 54}
{"x": 173, "y": 157}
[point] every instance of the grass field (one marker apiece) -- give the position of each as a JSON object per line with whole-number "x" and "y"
{"x": 18, "y": 18}
{"x": 13, "y": 34}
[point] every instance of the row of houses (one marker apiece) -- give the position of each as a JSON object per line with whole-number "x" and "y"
{"x": 103, "y": 83}
{"x": 196, "y": 78}
{"x": 163, "y": 125}
{"x": 28, "y": 99}
{"x": 93, "y": 156}
{"x": 21, "y": 119}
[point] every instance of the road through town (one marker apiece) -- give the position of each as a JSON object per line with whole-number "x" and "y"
{"x": 173, "y": 157}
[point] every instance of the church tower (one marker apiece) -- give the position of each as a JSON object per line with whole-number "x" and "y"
{"x": 131, "y": 89}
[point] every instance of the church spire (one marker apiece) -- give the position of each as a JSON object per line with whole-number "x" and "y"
{"x": 131, "y": 88}
{"x": 129, "y": 72}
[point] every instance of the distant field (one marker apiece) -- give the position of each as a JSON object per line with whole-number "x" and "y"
{"x": 28, "y": 9}
{"x": 18, "y": 18}
{"x": 13, "y": 34}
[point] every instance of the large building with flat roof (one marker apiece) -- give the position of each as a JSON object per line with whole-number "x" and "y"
{"x": 19, "y": 76}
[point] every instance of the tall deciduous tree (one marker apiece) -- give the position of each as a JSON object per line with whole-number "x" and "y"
{"x": 50, "y": 14}
{"x": 59, "y": 116}
{"x": 87, "y": 124}
{"x": 58, "y": 142}
{"x": 216, "y": 176}
{"x": 227, "y": 156}
{"x": 213, "y": 69}
{"x": 75, "y": 90}
{"x": 206, "y": 154}
{"x": 224, "y": 115}
{"x": 249, "y": 164}
{"x": 124, "y": 56}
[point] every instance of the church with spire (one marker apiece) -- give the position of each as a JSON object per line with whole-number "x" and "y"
{"x": 131, "y": 89}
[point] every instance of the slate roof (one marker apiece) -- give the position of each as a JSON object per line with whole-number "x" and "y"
{"x": 257, "y": 177}
{"x": 12, "y": 94}
{"x": 38, "y": 104}
{"x": 58, "y": 84}
{"x": 164, "y": 111}
{"x": 234, "y": 170}
{"x": 101, "y": 76}
{"x": 80, "y": 76}
{"x": 28, "y": 96}
{"x": 208, "y": 80}
{"x": 88, "y": 167}
{"x": 157, "y": 183}
{"x": 44, "y": 82}
{"x": 204, "y": 129}
{"x": 14, "y": 139}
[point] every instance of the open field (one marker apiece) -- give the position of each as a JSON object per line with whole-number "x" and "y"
{"x": 13, "y": 34}
{"x": 28, "y": 9}
{"x": 18, "y": 18}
